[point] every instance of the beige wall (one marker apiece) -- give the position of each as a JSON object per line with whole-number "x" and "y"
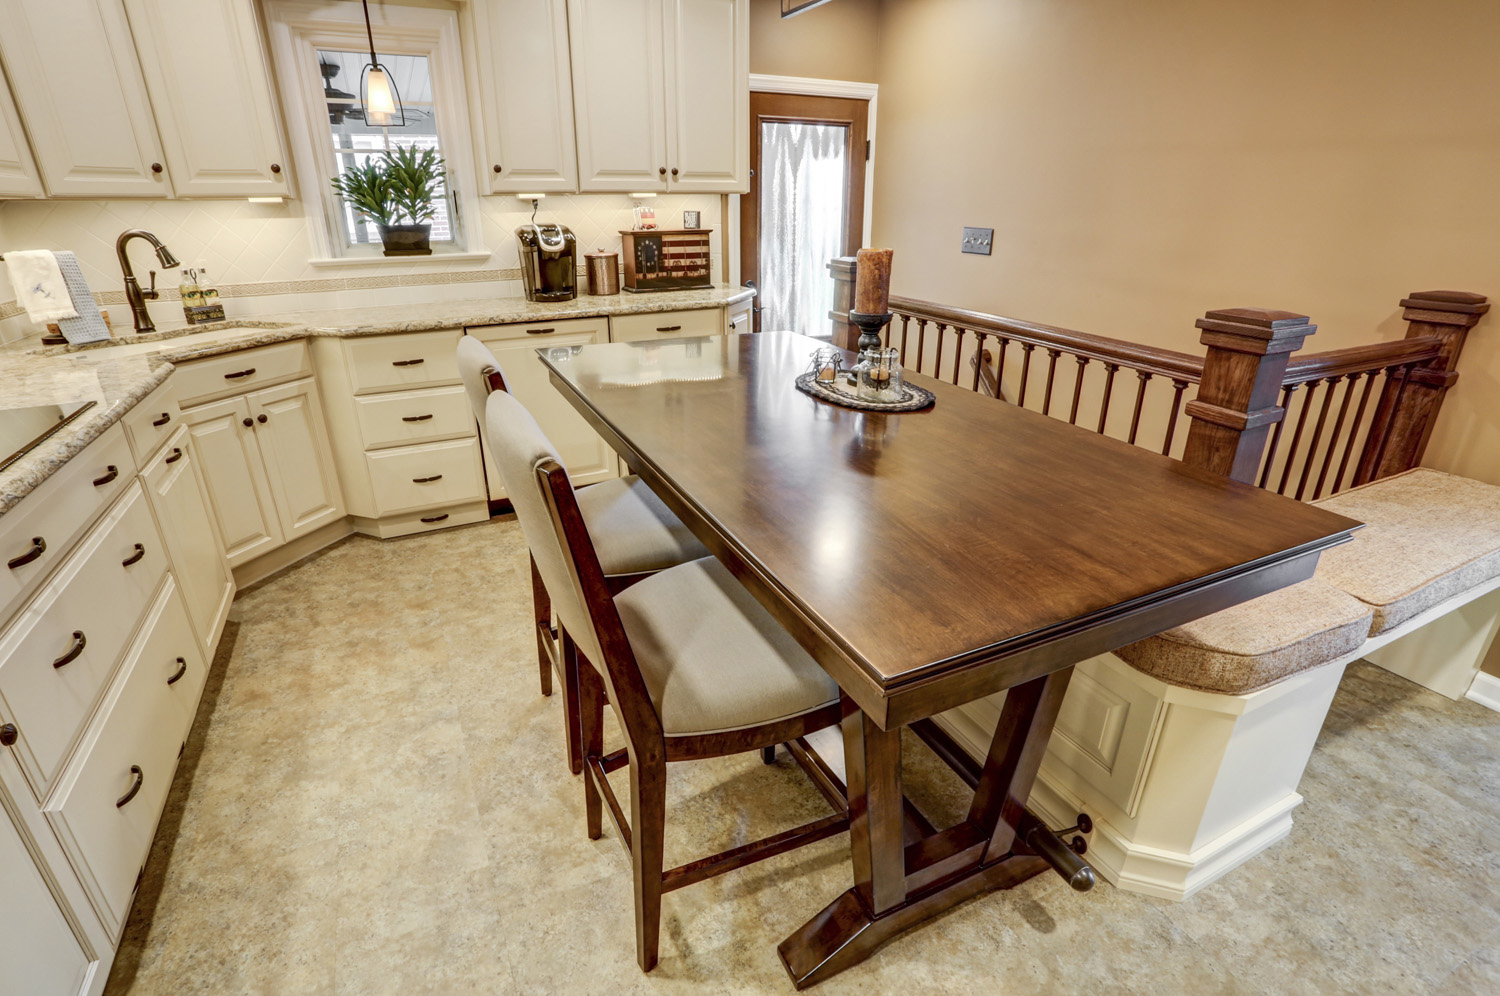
{"x": 837, "y": 41}
{"x": 1144, "y": 162}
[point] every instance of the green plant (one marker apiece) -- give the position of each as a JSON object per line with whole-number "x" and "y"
{"x": 369, "y": 191}
{"x": 414, "y": 175}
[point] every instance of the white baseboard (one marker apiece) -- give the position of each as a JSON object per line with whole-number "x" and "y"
{"x": 1485, "y": 690}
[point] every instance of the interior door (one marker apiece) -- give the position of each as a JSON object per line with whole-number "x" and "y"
{"x": 805, "y": 205}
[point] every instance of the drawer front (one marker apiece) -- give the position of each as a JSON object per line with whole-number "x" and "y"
{"x": 541, "y": 330}
{"x": 426, "y": 476}
{"x": 37, "y": 534}
{"x": 149, "y": 423}
{"x": 235, "y": 373}
{"x": 50, "y": 678}
{"x": 403, "y": 362}
{"x": 408, "y": 417}
{"x": 666, "y": 325}
{"x": 133, "y": 746}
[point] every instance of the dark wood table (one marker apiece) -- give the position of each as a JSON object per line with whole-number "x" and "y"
{"x": 926, "y": 560}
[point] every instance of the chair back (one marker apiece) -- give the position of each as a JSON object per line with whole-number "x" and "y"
{"x": 543, "y": 499}
{"x": 480, "y": 373}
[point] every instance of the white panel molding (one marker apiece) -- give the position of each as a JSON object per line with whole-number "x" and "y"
{"x": 1485, "y": 690}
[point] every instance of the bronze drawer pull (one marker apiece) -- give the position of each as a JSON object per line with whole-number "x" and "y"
{"x": 409, "y": 363}
{"x": 8, "y": 735}
{"x": 114, "y": 472}
{"x": 181, "y": 670}
{"x": 140, "y": 779}
{"x": 415, "y": 418}
{"x": 38, "y": 547}
{"x": 79, "y": 642}
{"x": 140, "y": 552}
{"x": 541, "y": 331}
{"x": 669, "y": 328}
{"x": 427, "y": 480}
{"x": 176, "y": 455}
{"x": 242, "y": 373}
{"x": 165, "y": 418}
{"x": 435, "y": 518}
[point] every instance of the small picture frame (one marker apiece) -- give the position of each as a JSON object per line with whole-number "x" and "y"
{"x": 690, "y": 219}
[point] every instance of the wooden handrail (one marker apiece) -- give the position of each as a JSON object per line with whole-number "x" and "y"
{"x": 1362, "y": 359}
{"x": 1164, "y": 362}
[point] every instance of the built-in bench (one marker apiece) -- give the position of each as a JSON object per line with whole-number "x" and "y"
{"x": 1187, "y": 748}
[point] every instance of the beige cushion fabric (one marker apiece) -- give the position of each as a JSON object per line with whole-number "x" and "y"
{"x": 712, "y": 658}
{"x": 1256, "y": 643}
{"x": 632, "y": 530}
{"x": 473, "y": 357}
{"x": 1428, "y": 537}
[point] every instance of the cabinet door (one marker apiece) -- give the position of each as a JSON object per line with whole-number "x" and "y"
{"x": 78, "y": 85}
{"x": 299, "y": 464}
{"x": 176, "y": 492}
{"x": 616, "y": 48}
{"x": 708, "y": 96}
{"x": 526, "y": 96}
{"x": 239, "y": 495}
{"x": 18, "y": 175}
{"x": 39, "y": 953}
{"x": 586, "y": 456}
{"x": 207, "y": 75}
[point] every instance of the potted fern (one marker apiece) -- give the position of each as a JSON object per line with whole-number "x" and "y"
{"x": 396, "y": 191}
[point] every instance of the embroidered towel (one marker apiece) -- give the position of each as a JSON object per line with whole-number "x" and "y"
{"x": 88, "y": 325}
{"x": 39, "y": 286}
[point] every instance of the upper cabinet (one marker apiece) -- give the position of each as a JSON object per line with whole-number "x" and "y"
{"x": 526, "y": 96}
{"x": 207, "y": 76}
{"x": 18, "y": 176}
{"x": 78, "y": 84}
{"x": 661, "y": 94}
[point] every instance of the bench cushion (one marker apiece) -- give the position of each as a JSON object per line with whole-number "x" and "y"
{"x": 1428, "y": 537}
{"x": 1256, "y": 643}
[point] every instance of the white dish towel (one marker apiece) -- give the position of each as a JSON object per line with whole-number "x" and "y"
{"x": 39, "y": 285}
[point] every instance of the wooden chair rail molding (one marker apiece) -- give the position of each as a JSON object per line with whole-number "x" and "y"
{"x": 1328, "y": 428}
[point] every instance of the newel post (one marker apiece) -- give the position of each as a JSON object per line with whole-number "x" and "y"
{"x": 844, "y": 333}
{"x": 1409, "y": 406}
{"x": 1248, "y": 349}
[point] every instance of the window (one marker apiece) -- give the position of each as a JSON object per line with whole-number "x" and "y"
{"x": 321, "y": 52}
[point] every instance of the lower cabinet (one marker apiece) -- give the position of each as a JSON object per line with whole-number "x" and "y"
{"x": 267, "y": 467}
{"x": 40, "y": 955}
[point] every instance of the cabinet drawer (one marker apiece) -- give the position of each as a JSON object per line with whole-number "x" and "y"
{"x": 402, "y": 362}
{"x": 426, "y": 476}
{"x": 414, "y": 417}
{"x": 541, "y": 330}
{"x": 133, "y": 746}
{"x": 149, "y": 423}
{"x": 83, "y": 618}
{"x": 666, "y": 325}
{"x": 236, "y": 373}
{"x": 48, "y": 520}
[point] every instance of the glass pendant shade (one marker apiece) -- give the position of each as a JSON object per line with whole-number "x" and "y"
{"x": 382, "y": 104}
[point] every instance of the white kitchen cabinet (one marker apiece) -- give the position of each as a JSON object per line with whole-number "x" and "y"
{"x": 234, "y": 476}
{"x": 18, "y": 175}
{"x": 525, "y": 103}
{"x": 661, "y": 94}
{"x": 39, "y": 953}
{"x": 299, "y": 464}
{"x": 208, "y": 78}
{"x": 78, "y": 85}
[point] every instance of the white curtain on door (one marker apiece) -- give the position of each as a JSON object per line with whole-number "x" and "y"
{"x": 803, "y": 174}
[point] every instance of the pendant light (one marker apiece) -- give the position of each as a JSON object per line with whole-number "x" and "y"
{"x": 377, "y": 91}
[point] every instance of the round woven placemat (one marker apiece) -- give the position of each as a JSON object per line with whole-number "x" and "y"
{"x": 841, "y": 393}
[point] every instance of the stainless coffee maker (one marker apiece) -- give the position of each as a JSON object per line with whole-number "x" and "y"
{"x": 549, "y": 262}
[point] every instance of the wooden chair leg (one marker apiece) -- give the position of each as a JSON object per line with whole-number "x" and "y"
{"x": 541, "y": 604}
{"x": 648, "y": 818}
{"x": 572, "y": 667}
{"x": 591, "y": 710}
{"x": 768, "y": 754}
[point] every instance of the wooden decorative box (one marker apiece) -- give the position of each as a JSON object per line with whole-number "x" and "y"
{"x": 666, "y": 259}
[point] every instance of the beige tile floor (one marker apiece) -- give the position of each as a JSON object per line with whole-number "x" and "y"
{"x": 374, "y": 801}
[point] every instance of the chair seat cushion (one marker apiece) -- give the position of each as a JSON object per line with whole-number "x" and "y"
{"x": 712, "y": 658}
{"x": 1256, "y": 643}
{"x": 1428, "y": 537}
{"x": 632, "y": 530}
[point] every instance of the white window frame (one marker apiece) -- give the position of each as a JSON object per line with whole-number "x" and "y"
{"x": 298, "y": 28}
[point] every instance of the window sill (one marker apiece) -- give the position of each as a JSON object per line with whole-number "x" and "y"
{"x": 436, "y": 257}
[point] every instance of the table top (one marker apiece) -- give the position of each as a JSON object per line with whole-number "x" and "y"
{"x": 928, "y": 558}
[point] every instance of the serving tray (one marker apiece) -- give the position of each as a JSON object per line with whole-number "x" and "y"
{"x": 841, "y": 393}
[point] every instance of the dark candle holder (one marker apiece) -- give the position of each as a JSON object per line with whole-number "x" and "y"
{"x": 869, "y": 328}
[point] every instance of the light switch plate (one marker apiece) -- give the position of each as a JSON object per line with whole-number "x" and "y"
{"x": 977, "y": 240}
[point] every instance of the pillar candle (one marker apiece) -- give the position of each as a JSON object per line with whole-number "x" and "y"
{"x": 872, "y": 281}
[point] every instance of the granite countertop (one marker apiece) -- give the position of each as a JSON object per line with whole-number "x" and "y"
{"x": 118, "y": 374}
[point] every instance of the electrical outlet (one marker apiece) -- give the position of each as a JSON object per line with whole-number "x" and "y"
{"x": 977, "y": 240}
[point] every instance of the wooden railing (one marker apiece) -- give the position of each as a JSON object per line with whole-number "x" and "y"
{"x": 1307, "y": 426}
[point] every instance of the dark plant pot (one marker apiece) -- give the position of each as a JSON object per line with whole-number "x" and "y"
{"x": 406, "y": 240}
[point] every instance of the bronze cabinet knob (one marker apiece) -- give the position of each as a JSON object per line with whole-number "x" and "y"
{"x": 156, "y": 167}
{"x": 674, "y": 170}
{"x": 248, "y": 421}
{"x": 8, "y": 735}
{"x": 497, "y": 167}
{"x": 662, "y": 170}
{"x": 261, "y": 419}
{"x": 276, "y": 167}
